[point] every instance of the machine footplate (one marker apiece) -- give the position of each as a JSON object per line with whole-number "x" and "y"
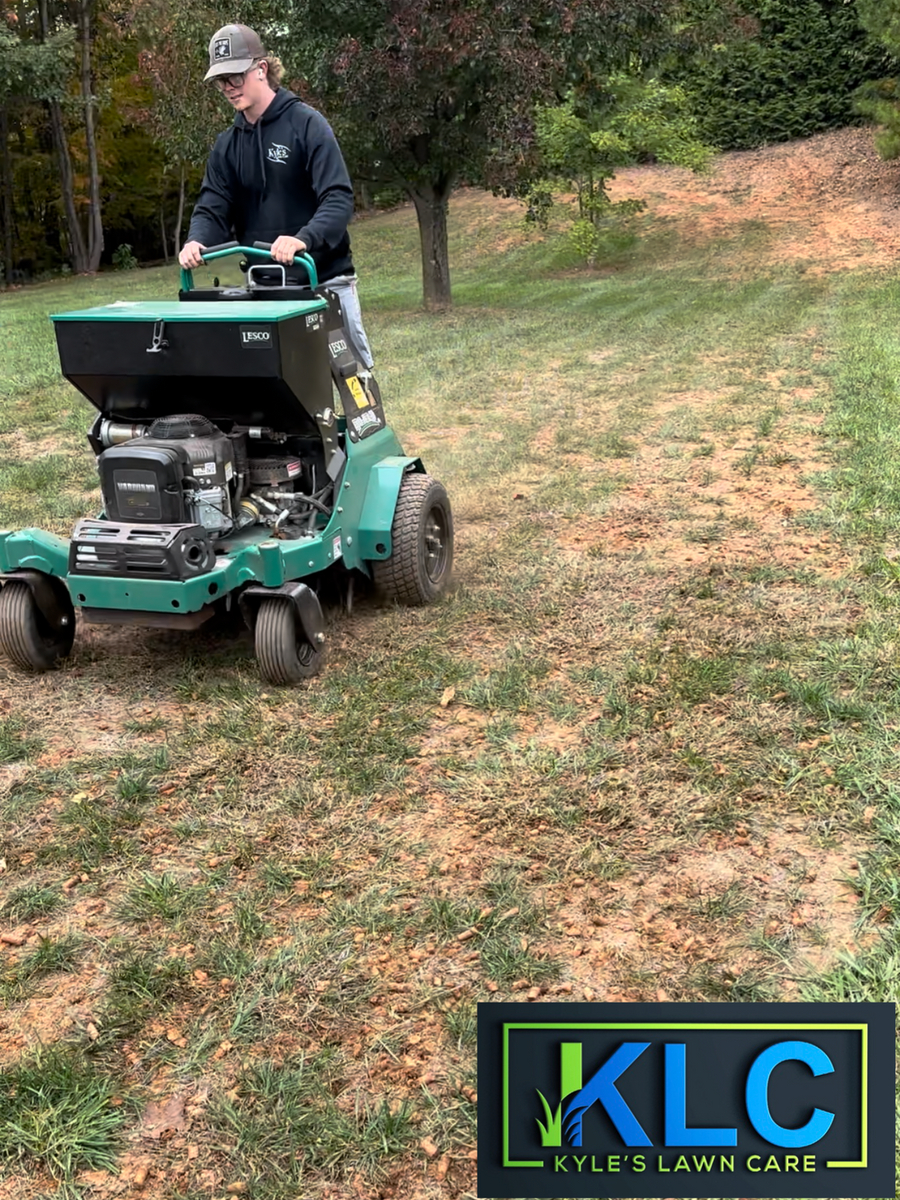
{"x": 148, "y": 620}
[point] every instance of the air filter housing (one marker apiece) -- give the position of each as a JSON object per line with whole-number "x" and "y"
{"x": 182, "y": 425}
{"x": 145, "y": 484}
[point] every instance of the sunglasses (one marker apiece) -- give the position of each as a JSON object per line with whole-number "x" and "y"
{"x": 235, "y": 81}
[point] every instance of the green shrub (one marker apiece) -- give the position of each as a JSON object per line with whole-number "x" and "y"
{"x": 586, "y": 139}
{"x": 123, "y": 259}
{"x": 879, "y": 100}
{"x": 789, "y": 69}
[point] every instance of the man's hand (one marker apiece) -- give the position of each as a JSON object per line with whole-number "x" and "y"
{"x": 190, "y": 255}
{"x": 284, "y": 249}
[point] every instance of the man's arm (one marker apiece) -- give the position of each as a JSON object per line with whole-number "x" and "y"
{"x": 331, "y": 184}
{"x": 211, "y": 219}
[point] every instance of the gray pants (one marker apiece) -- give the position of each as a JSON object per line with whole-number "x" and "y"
{"x": 345, "y": 287}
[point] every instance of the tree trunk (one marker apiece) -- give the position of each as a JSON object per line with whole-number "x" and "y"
{"x": 7, "y": 197}
{"x": 95, "y": 219}
{"x": 431, "y": 202}
{"x": 75, "y": 237}
{"x": 180, "y": 219}
{"x": 162, "y": 233}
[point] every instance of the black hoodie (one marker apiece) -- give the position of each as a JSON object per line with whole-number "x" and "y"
{"x": 282, "y": 175}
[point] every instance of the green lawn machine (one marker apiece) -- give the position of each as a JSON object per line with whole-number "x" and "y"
{"x": 244, "y": 457}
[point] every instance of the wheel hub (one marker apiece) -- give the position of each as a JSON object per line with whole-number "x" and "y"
{"x": 435, "y": 546}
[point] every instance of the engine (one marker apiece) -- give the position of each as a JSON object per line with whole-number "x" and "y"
{"x": 179, "y": 473}
{"x": 184, "y": 470}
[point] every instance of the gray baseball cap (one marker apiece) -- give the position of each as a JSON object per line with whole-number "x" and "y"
{"x": 232, "y": 49}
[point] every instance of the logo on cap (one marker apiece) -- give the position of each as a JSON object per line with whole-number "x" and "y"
{"x": 222, "y": 48}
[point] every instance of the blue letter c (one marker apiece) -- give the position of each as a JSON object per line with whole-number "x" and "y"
{"x": 758, "y": 1095}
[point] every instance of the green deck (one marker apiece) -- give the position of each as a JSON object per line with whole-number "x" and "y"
{"x": 196, "y": 310}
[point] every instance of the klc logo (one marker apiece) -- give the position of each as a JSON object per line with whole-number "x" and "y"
{"x": 579, "y": 1097}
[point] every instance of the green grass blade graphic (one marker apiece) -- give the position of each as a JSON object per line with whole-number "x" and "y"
{"x": 551, "y": 1133}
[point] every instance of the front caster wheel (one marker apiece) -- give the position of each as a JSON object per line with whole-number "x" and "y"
{"x": 283, "y": 650}
{"x": 26, "y": 636}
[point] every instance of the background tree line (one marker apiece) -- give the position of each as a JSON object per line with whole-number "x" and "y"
{"x": 105, "y": 123}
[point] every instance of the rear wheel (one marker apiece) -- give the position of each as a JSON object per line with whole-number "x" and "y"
{"x": 26, "y": 636}
{"x": 284, "y": 652}
{"x": 422, "y": 544}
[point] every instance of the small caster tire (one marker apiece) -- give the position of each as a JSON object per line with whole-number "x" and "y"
{"x": 283, "y": 651}
{"x": 26, "y": 636}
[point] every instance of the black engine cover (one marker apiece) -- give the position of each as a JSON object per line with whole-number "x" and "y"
{"x": 144, "y": 483}
{"x": 142, "y": 551}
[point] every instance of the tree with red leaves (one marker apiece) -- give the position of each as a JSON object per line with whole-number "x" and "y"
{"x": 424, "y": 94}
{"x": 184, "y": 116}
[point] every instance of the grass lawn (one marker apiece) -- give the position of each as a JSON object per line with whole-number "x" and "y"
{"x": 646, "y": 749}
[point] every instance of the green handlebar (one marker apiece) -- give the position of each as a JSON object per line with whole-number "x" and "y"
{"x": 302, "y": 260}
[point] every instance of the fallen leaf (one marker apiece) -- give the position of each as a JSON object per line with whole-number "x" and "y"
{"x": 94, "y": 1179}
{"x": 447, "y": 696}
{"x": 429, "y": 1147}
{"x": 165, "y": 1116}
{"x": 443, "y": 1166}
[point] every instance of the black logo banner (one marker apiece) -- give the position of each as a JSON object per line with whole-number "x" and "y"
{"x": 628, "y": 1100}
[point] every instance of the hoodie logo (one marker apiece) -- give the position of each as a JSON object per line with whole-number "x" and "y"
{"x": 222, "y": 48}
{"x": 278, "y": 153}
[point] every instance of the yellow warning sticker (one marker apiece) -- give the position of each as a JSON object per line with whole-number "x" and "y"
{"x": 357, "y": 392}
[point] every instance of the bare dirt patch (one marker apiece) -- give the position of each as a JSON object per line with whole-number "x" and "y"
{"x": 63, "y": 1007}
{"x": 828, "y": 199}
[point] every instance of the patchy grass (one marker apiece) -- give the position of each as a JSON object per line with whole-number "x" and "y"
{"x": 57, "y": 1113}
{"x": 645, "y": 748}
